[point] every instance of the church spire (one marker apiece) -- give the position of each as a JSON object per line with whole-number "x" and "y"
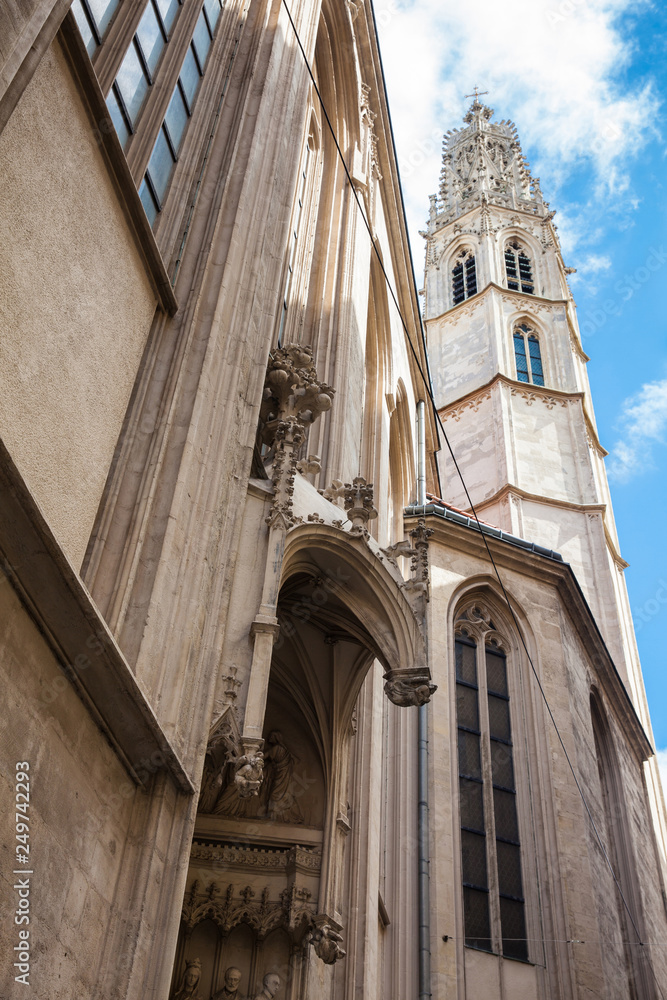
{"x": 484, "y": 163}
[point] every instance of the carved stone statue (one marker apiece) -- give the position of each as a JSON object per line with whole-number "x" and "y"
{"x": 271, "y": 985}
{"x": 189, "y": 984}
{"x": 230, "y": 991}
{"x": 277, "y": 791}
{"x": 246, "y": 783}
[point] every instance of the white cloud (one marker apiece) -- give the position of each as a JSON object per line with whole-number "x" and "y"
{"x": 644, "y": 424}
{"x": 558, "y": 78}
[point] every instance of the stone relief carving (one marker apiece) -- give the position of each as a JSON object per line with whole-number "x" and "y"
{"x": 235, "y": 791}
{"x": 293, "y": 910}
{"x": 270, "y": 986}
{"x": 548, "y": 400}
{"x": 190, "y": 982}
{"x": 473, "y": 403}
{"x": 230, "y": 989}
{"x": 222, "y": 749}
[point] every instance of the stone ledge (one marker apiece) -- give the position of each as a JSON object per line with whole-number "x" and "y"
{"x": 57, "y": 601}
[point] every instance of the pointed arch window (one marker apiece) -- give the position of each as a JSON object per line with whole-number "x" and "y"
{"x": 528, "y": 355}
{"x": 493, "y": 899}
{"x": 464, "y": 276}
{"x": 519, "y": 269}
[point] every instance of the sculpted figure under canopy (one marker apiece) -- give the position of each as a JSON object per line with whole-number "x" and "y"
{"x": 270, "y": 988}
{"x": 190, "y": 983}
{"x": 230, "y": 991}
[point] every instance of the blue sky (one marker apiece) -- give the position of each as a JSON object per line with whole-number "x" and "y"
{"x": 585, "y": 81}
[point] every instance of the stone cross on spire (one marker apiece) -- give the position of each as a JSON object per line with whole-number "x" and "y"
{"x": 476, "y": 94}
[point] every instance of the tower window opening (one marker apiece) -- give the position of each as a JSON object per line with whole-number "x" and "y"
{"x": 464, "y": 276}
{"x": 518, "y": 269}
{"x": 493, "y": 908}
{"x": 528, "y": 355}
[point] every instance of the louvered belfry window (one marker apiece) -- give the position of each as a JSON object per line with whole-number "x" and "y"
{"x": 493, "y": 901}
{"x": 464, "y": 276}
{"x": 518, "y": 269}
{"x": 527, "y": 355}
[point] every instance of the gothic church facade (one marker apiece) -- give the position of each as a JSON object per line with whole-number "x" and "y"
{"x": 283, "y": 734}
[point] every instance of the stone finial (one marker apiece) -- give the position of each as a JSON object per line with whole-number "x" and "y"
{"x": 292, "y": 390}
{"x": 358, "y": 502}
{"x": 294, "y": 397}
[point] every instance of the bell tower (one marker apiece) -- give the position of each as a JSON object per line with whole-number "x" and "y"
{"x": 509, "y": 371}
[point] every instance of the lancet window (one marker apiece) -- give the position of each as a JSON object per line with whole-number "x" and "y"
{"x": 493, "y": 899}
{"x": 528, "y": 355}
{"x": 518, "y": 269}
{"x": 464, "y": 276}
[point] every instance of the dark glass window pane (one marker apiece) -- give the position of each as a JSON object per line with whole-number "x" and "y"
{"x": 510, "y": 264}
{"x": 102, "y": 11}
{"x": 148, "y": 202}
{"x": 476, "y": 918}
{"x": 473, "y": 859}
{"x": 466, "y": 667}
{"x": 509, "y": 870}
{"x": 160, "y": 165}
{"x": 132, "y": 83}
{"x": 459, "y": 291}
{"x": 469, "y": 759}
{"x": 521, "y": 360}
{"x": 535, "y": 360}
{"x": 466, "y": 707}
{"x": 176, "y": 118}
{"x": 212, "y": 8}
{"x": 471, "y": 277}
{"x": 496, "y": 672}
{"x": 471, "y": 794}
{"x": 201, "y": 39}
{"x": 499, "y": 718}
{"x": 150, "y": 38}
{"x": 84, "y": 27}
{"x": 118, "y": 118}
{"x": 504, "y": 809}
{"x": 168, "y": 11}
{"x": 190, "y": 77}
{"x": 513, "y": 923}
{"x": 502, "y": 767}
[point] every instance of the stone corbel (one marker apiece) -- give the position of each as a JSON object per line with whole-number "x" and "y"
{"x": 326, "y": 939}
{"x": 409, "y": 688}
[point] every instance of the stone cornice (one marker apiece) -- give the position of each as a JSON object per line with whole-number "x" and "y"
{"x": 561, "y": 577}
{"x": 53, "y": 595}
{"x": 550, "y": 398}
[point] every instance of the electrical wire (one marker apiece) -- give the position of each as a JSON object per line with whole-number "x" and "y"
{"x": 427, "y": 385}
